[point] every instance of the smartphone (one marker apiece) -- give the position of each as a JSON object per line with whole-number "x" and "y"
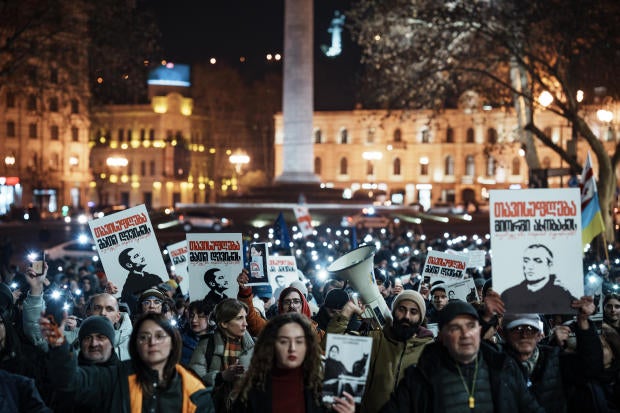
{"x": 37, "y": 262}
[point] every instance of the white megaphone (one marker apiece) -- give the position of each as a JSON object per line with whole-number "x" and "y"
{"x": 357, "y": 268}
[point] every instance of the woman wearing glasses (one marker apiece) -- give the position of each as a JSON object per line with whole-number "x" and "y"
{"x": 222, "y": 358}
{"x": 151, "y": 381}
{"x": 286, "y": 374}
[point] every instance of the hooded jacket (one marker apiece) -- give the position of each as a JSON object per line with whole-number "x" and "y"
{"x": 389, "y": 359}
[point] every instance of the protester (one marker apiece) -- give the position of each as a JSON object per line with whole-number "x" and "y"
{"x": 610, "y": 340}
{"x": 285, "y": 373}
{"x": 221, "y": 358}
{"x": 96, "y": 338}
{"x": 458, "y": 373}
{"x": 18, "y": 394}
{"x": 395, "y": 347}
{"x": 199, "y": 313}
{"x": 152, "y": 381}
{"x": 439, "y": 299}
{"x": 107, "y": 306}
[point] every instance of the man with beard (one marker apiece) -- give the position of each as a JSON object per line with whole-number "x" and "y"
{"x": 137, "y": 280}
{"x": 217, "y": 284}
{"x": 395, "y": 347}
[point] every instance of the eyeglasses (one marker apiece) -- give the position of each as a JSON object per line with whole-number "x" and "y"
{"x": 294, "y": 301}
{"x": 144, "y": 338}
{"x": 153, "y": 303}
{"x": 525, "y": 331}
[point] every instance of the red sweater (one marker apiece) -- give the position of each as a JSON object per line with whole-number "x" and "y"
{"x": 287, "y": 391}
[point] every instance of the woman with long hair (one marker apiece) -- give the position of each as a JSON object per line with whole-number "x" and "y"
{"x": 153, "y": 380}
{"x": 221, "y": 358}
{"x": 286, "y": 374}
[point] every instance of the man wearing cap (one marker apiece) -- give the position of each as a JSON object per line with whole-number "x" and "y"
{"x": 457, "y": 373}
{"x": 96, "y": 338}
{"x": 152, "y": 301}
{"x": 552, "y": 375}
{"x": 439, "y": 299}
{"x": 395, "y": 347}
{"x": 335, "y": 300}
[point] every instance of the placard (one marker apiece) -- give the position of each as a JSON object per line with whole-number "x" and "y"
{"x": 282, "y": 271}
{"x": 346, "y": 366}
{"x": 179, "y": 256}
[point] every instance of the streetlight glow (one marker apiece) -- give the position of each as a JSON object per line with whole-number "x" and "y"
{"x": 545, "y": 98}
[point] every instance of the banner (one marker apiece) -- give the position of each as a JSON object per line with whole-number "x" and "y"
{"x": 303, "y": 220}
{"x": 282, "y": 271}
{"x": 129, "y": 252}
{"x": 537, "y": 253}
{"x": 179, "y": 256}
{"x": 346, "y": 366}
{"x": 215, "y": 262}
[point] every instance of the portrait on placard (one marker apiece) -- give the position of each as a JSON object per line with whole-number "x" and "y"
{"x": 179, "y": 256}
{"x": 537, "y": 251}
{"x": 347, "y": 361}
{"x": 259, "y": 253}
{"x": 282, "y": 271}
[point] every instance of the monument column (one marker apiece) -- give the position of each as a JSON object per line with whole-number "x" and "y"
{"x": 298, "y": 93}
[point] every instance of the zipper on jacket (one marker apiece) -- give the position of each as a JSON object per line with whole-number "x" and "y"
{"x": 400, "y": 362}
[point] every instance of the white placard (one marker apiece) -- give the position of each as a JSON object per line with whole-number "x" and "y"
{"x": 179, "y": 256}
{"x": 346, "y": 366}
{"x": 282, "y": 270}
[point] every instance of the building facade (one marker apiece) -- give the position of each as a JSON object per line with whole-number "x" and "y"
{"x": 432, "y": 159}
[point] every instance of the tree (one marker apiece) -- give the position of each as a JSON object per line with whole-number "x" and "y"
{"x": 428, "y": 53}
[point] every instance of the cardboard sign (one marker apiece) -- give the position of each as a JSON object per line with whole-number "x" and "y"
{"x": 215, "y": 262}
{"x": 537, "y": 250}
{"x": 258, "y": 264}
{"x": 444, "y": 266}
{"x": 346, "y": 366}
{"x": 464, "y": 290}
{"x": 282, "y": 271}
{"x": 179, "y": 256}
{"x": 129, "y": 252}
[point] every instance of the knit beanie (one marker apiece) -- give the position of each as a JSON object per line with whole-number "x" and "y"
{"x": 97, "y": 324}
{"x": 411, "y": 295}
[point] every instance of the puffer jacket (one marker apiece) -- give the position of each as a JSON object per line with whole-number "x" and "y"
{"x": 388, "y": 361}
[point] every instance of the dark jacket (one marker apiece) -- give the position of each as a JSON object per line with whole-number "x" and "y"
{"x": 551, "y": 299}
{"x": 18, "y": 394}
{"x": 106, "y": 389}
{"x": 558, "y": 376}
{"x": 421, "y": 389}
{"x": 259, "y": 401}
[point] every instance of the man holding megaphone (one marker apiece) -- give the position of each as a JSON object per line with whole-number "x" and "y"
{"x": 396, "y": 346}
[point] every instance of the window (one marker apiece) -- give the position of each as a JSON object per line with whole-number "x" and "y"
{"x": 152, "y": 134}
{"x": 344, "y": 165}
{"x": 142, "y": 134}
{"x": 398, "y": 135}
{"x": 396, "y": 167}
{"x": 424, "y": 169}
{"x": 449, "y": 135}
{"x": 143, "y": 168}
{"x": 32, "y": 131}
{"x": 75, "y": 134}
{"x": 121, "y": 135}
{"x": 491, "y": 166}
{"x": 344, "y": 135}
{"x": 317, "y": 165}
{"x": 470, "y": 166}
{"x": 152, "y": 168}
{"x": 75, "y": 106}
{"x": 491, "y": 136}
{"x": 426, "y": 136}
{"x": 54, "y": 133}
{"x": 128, "y": 135}
{"x": 54, "y": 104}
{"x": 370, "y": 168}
{"x": 317, "y": 136}
{"x": 516, "y": 166}
{"x": 10, "y": 129}
{"x": 10, "y": 99}
{"x": 448, "y": 169}
{"x": 32, "y": 102}
{"x": 130, "y": 167}
{"x": 470, "y": 136}
{"x": 54, "y": 75}
{"x": 370, "y": 135}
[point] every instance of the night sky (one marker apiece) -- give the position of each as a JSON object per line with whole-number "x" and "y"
{"x": 196, "y": 30}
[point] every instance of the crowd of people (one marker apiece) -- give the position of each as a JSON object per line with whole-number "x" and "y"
{"x": 68, "y": 344}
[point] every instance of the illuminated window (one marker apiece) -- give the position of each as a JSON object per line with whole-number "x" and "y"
{"x": 449, "y": 166}
{"x": 396, "y": 167}
{"x": 344, "y": 165}
{"x": 470, "y": 136}
{"x": 470, "y": 166}
{"x": 491, "y": 165}
{"x": 426, "y": 136}
{"x": 344, "y": 135}
{"x": 318, "y": 136}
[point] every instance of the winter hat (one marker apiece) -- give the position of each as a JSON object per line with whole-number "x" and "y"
{"x": 454, "y": 309}
{"x": 411, "y": 295}
{"x": 152, "y": 292}
{"x": 438, "y": 285}
{"x": 515, "y": 320}
{"x": 336, "y": 299}
{"x": 97, "y": 324}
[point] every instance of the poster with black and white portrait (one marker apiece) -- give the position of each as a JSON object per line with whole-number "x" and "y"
{"x": 215, "y": 262}
{"x": 179, "y": 256}
{"x": 129, "y": 252}
{"x": 347, "y": 360}
{"x": 537, "y": 249}
{"x": 259, "y": 251}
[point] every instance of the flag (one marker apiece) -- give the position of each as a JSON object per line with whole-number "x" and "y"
{"x": 281, "y": 231}
{"x": 591, "y": 218}
{"x": 303, "y": 220}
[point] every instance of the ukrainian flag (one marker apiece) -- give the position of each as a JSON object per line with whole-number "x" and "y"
{"x": 591, "y": 218}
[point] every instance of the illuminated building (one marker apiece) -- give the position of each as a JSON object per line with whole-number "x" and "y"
{"x": 451, "y": 158}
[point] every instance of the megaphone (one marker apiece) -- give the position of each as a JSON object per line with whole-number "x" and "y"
{"x": 356, "y": 267}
